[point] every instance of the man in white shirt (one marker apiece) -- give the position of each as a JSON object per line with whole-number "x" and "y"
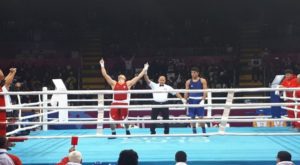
{"x": 180, "y": 158}
{"x": 161, "y": 98}
{"x": 5, "y": 157}
{"x": 284, "y": 158}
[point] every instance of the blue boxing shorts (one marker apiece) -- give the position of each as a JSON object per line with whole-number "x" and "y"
{"x": 195, "y": 111}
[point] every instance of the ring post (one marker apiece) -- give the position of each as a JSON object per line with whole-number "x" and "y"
{"x": 209, "y": 109}
{"x": 226, "y": 112}
{"x": 45, "y": 111}
{"x": 62, "y": 99}
{"x": 100, "y": 114}
{"x": 296, "y": 101}
{"x": 19, "y": 110}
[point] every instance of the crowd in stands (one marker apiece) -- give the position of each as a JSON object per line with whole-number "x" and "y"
{"x": 32, "y": 76}
{"x": 144, "y": 36}
{"x": 39, "y": 49}
{"x": 152, "y": 37}
{"x": 275, "y": 64}
{"x": 37, "y": 38}
{"x": 280, "y": 37}
{"x": 219, "y": 74}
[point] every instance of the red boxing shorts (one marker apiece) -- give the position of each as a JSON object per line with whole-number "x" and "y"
{"x": 118, "y": 113}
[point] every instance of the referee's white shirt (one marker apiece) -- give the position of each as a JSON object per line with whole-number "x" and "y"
{"x": 161, "y": 97}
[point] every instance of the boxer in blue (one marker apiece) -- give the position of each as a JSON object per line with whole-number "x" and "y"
{"x": 196, "y": 82}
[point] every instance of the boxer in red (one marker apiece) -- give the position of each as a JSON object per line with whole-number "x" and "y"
{"x": 295, "y": 83}
{"x": 289, "y": 76}
{"x": 2, "y": 104}
{"x": 287, "y": 83}
{"x": 120, "y": 99}
{"x": 5, "y": 83}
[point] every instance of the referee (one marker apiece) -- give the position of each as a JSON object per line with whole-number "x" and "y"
{"x": 161, "y": 98}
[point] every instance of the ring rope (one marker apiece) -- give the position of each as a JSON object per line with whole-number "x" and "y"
{"x": 151, "y": 121}
{"x": 86, "y": 109}
{"x": 291, "y": 98}
{"x": 147, "y": 117}
{"x": 159, "y": 135}
{"x": 212, "y": 106}
{"x": 31, "y": 104}
{"x": 26, "y": 128}
{"x": 37, "y": 115}
{"x": 156, "y": 106}
{"x": 170, "y": 99}
{"x": 89, "y": 92}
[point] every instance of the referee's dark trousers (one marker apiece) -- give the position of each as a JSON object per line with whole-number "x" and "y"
{"x": 164, "y": 113}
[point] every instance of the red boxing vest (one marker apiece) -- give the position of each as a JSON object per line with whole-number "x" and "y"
{"x": 120, "y": 87}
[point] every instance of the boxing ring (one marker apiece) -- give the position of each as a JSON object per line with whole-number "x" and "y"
{"x": 224, "y": 143}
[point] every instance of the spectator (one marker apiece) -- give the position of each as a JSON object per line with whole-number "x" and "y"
{"x": 128, "y": 157}
{"x": 65, "y": 160}
{"x": 255, "y": 66}
{"x": 128, "y": 65}
{"x": 6, "y": 158}
{"x": 284, "y": 158}
{"x": 75, "y": 158}
{"x": 180, "y": 158}
{"x": 71, "y": 81}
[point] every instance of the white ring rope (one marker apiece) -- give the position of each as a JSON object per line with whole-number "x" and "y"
{"x": 32, "y": 104}
{"x": 147, "y": 117}
{"x": 170, "y": 99}
{"x": 205, "y": 117}
{"x": 42, "y": 105}
{"x": 290, "y": 98}
{"x": 91, "y": 92}
{"x": 37, "y": 115}
{"x": 248, "y": 105}
{"x": 149, "y": 109}
{"x": 153, "y": 121}
{"x": 291, "y": 109}
{"x": 22, "y": 129}
{"x": 26, "y": 128}
{"x": 160, "y": 135}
